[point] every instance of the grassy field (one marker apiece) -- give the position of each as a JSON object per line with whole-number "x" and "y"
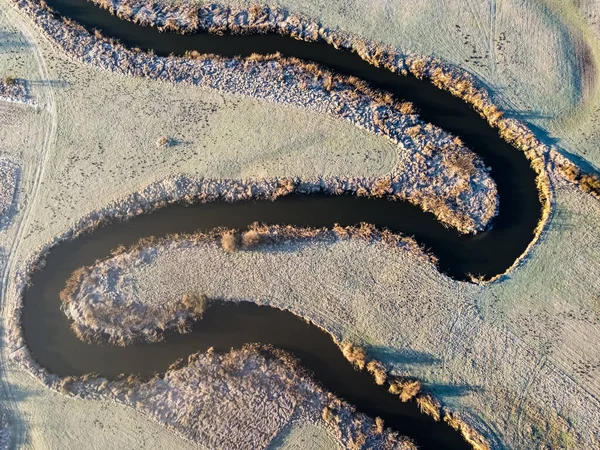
{"x": 92, "y": 139}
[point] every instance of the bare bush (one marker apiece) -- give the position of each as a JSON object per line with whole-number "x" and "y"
{"x": 195, "y": 303}
{"x": 405, "y": 389}
{"x": 377, "y": 369}
{"x": 589, "y": 183}
{"x": 428, "y": 405}
{"x": 356, "y": 355}
{"x": 230, "y": 242}
{"x": 250, "y": 238}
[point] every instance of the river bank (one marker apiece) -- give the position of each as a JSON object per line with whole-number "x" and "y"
{"x": 454, "y": 365}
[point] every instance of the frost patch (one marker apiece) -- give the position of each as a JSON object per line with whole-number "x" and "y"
{"x": 9, "y": 174}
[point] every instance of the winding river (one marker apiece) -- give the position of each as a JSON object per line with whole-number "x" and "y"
{"x": 54, "y": 346}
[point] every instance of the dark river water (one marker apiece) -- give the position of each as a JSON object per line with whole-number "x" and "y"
{"x": 225, "y": 326}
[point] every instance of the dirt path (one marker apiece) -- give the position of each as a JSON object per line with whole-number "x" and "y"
{"x": 45, "y": 97}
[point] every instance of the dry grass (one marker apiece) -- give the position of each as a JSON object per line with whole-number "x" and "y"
{"x": 462, "y": 162}
{"x": 327, "y": 415}
{"x": 377, "y": 369}
{"x": 195, "y": 303}
{"x": 230, "y": 241}
{"x": 379, "y": 425}
{"x": 405, "y": 389}
{"x": 163, "y": 141}
{"x": 72, "y": 285}
{"x": 251, "y": 238}
{"x": 356, "y": 355}
{"x": 469, "y": 434}
{"x": 428, "y": 405}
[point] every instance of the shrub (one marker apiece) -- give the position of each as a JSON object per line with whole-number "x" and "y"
{"x": 250, "y": 239}
{"x": 328, "y": 415}
{"x": 379, "y": 425}
{"x": 405, "y": 389}
{"x": 462, "y": 162}
{"x": 407, "y": 108}
{"x": 230, "y": 241}
{"x": 590, "y": 183}
{"x": 356, "y": 355}
{"x": 427, "y": 405}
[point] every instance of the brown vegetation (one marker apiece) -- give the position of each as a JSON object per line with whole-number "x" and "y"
{"x": 469, "y": 434}
{"x": 379, "y": 425}
{"x": 251, "y": 238}
{"x": 356, "y": 355}
{"x": 428, "y": 405}
{"x": 405, "y": 389}
{"x": 230, "y": 241}
{"x": 195, "y": 303}
{"x": 589, "y": 183}
{"x": 377, "y": 369}
{"x": 163, "y": 141}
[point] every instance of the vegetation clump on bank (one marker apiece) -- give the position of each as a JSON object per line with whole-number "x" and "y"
{"x": 408, "y": 390}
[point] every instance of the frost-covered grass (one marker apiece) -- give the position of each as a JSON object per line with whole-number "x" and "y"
{"x": 539, "y": 58}
{"x": 435, "y": 171}
{"x": 5, "y": 438}
{"x": 241, "y": 399}
{"x": 8, "y": 187}
{"x": 102, "y": 300}
{"x": 104, "y": 148}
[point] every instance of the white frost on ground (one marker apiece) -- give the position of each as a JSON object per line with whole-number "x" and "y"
{"x": 242, "y": 399}
{"x": 435, "y": 171}
{"x": 539, "y": 59}
{"x": 424, "y": 325}
{"x": 8, "y": 187}
{"x": 103, "y": 301}
{"x": 83, "y": 167}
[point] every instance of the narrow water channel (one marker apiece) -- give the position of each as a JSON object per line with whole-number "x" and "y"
{"x": 54, "y": 346}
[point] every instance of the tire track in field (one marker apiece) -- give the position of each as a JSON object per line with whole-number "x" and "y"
{"x": 15, "y": 416}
